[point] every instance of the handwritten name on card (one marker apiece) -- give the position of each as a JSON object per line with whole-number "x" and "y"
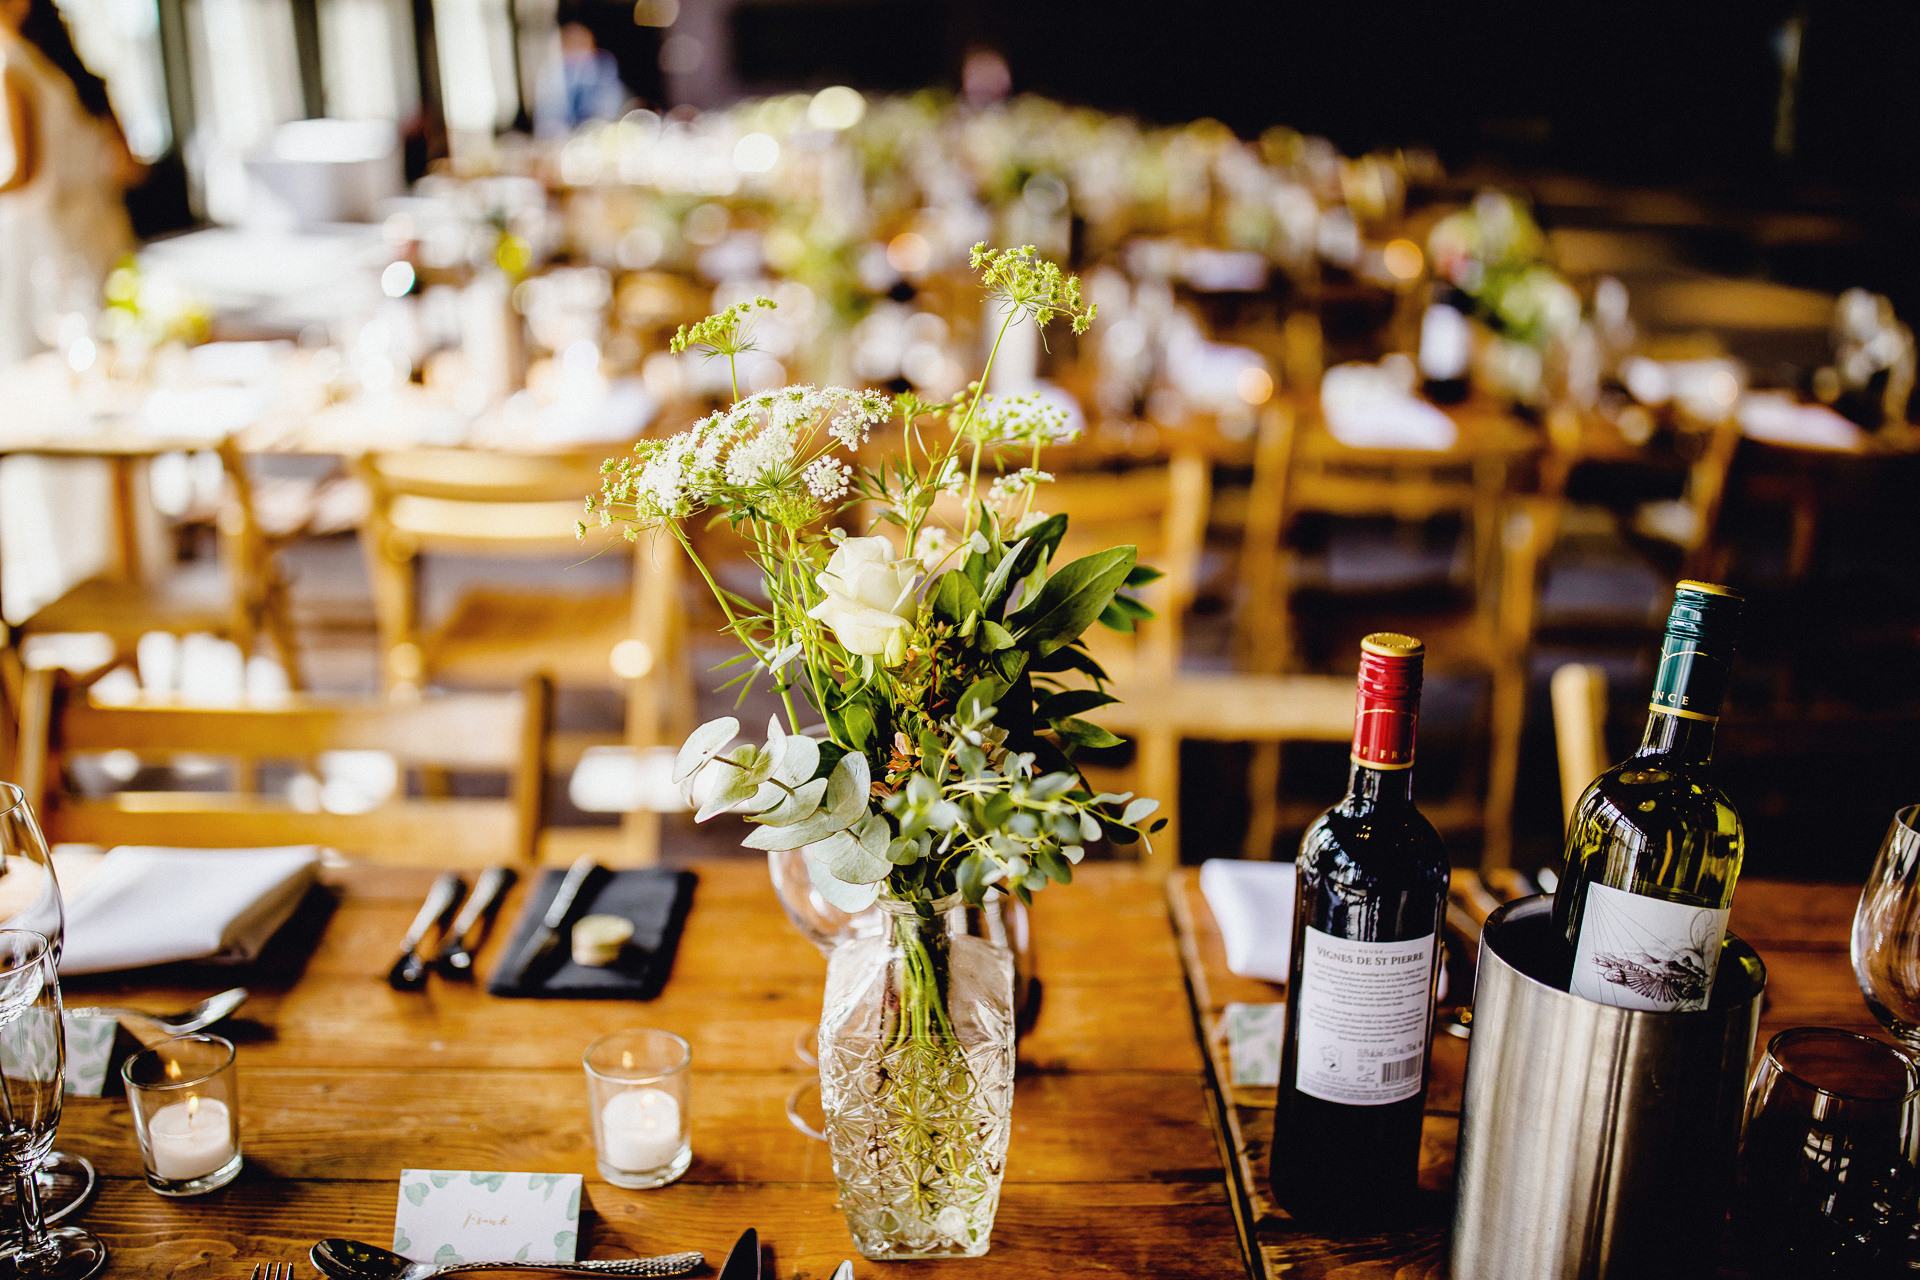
{"x": 450, "y": 1216}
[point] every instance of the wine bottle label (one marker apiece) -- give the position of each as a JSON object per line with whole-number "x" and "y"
{"x": 1637, "y": 952}
{"x": 1364, "y": 1010}
{"x": 1691, "y": 682}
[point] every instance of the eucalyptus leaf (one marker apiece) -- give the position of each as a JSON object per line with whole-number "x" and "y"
{"x": 1139, "y": 809}
{"x": 794, "y": 806}
{"x": 851, "y": 898}
{"x": 702, "y": 745}
{"x": 846, "y": 800}
{"x": 799, "y": 759}
{"x": 736, "y": 786}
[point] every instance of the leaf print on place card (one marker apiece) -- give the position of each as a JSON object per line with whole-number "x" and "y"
{"x": 464, "y": 1216}
{"x": 89, "y": 1053}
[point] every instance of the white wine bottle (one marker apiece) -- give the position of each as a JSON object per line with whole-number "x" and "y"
{"x": 1654, "y": 846}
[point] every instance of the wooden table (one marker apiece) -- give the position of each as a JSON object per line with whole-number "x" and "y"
{"x": 1800, "y": 931}
{"x": 1114, "y": 1168}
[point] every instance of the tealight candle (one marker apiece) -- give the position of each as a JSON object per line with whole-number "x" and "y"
{"x": 190, "y": 1139}
{"x": 640, "y": 1130}
{"x": 637, "y": 1105}
{"x": 185, "y": 1096}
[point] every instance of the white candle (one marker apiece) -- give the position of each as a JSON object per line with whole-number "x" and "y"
{"x": 640, "y": 1130}
{"x": 190, "y": 1139}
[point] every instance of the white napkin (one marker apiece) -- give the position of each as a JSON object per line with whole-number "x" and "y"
{"x": 1253, "y": 904}
{"x": 1367, "y": 407}
{"x": 1780, "y": 419}
{"x": 142, "y": 906}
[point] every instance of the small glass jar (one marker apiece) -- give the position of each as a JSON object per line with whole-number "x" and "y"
{"x": 637, "y": 1095}
{"x": 185, "y": 1095}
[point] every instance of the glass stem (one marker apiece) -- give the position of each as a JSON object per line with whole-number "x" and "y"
{"x": 35, "y": 1249}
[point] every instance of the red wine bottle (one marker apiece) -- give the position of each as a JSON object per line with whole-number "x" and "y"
{"x": 1370, "y": 889}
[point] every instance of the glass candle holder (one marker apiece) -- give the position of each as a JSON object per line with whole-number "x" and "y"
{"x": 185, "y": 1095}
{"x": 637, "y": 1094}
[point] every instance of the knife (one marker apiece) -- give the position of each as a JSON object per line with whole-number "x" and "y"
{"x": 542, "y": 949}
{"x": 844, "y": 1271}
{"x": 744, "y": 1262}
{"x": 409, "y": 972}
{"x": 470, "y": 926}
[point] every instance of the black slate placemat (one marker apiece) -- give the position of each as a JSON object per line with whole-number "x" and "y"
{"x": 655, "y": 899}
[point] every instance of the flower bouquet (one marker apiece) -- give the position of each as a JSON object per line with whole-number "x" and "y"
{"x": 940, "y": 652}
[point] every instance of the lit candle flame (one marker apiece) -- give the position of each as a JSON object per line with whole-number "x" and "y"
{"x": 193, "y": 1110}
{"x": 173, "y": 1071}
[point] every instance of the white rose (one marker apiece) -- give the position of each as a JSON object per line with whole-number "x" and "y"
{"x": 869, "y": 597}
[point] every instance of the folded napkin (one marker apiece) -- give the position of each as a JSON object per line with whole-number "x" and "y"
{"x": 1253, "y": 904}
{"x": 653, "y": 898}
{"x": 1780, "y": 419}
{"x": 1367, "y": 407}
{"x": 140, "y": 905}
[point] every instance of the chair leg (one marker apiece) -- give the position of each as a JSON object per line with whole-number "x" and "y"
{"x": 1158, "y": 768}
{"x": 1503, "y": 762}
{"x": 1263, "y": 801}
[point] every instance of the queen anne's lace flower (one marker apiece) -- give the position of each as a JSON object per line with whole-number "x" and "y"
{"x": 1018, "y": 484}
{"x": 1027, "y": 420}
{"x": 828, "y": 479}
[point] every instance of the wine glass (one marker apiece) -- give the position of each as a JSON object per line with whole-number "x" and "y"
{"x": 1886, "y": 931}
{"x": 30, "y": 899}
{"x": 32, "y": 1076}
{"x": 1829, "y": 1171}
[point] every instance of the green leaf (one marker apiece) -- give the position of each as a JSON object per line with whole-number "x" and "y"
{"x": 1138, "y": 810}
{"x": 846, "y": 800}
{"x": 702, "y": 745}
{"x": 1142, "y": 574}
{"x": 1072, "y": 702}
{"x": 980, "y": 698}
{"x": 802, "y": 803}
{"x": 1084, "y": 734}
{"x": 857, "y": 855}
{"x": 1073, "y": 598}
{"x": 858, "y": 723}
{"x": 972, "y": 878}
{"x": 996, "y": 636}
{"x": 1070, "y": 658}
{"x": 953, "y": 597}
{"x": 851, "y": 898}
{"x": 1002, "y": 574}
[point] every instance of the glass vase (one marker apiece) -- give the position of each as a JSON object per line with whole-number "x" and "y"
{"x": 916, "y": 1081}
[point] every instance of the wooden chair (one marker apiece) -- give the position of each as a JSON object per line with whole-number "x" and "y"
{"x": 1579, "y": 729}
{"x": 1159, "y": 713}
{"x": 1507, "y": 537}
{"x": 497, "y": 733}
{"x": 469, "y": 502}
{"x": 244, "y": 600}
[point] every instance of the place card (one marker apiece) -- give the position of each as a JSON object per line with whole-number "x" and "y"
{"x": 450, "y": 1216}
{"x": 89, "y": 1053}
{"x": 1253, "y": 1042}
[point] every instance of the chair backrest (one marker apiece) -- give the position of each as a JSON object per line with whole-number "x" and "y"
{"x": 1579, "y": 729}
{"x": 477, "y": 501}
{"x": 493, "y": 733}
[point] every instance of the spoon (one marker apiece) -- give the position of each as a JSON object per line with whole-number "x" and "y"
{"x": 409, "y": 972}
{"x": 353, "y": 1260}
{"x": 186, "y": 1022}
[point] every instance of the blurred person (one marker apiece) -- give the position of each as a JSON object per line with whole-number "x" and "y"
{"x": 63, "y": 218}
{"x": 582, "y": 84}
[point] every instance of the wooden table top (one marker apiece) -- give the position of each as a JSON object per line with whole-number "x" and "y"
{"x": 1800, "y": 930}
{"x": 1114, "y": 1166}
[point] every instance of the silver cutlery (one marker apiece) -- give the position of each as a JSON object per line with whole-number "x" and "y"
{"x": 409, "y": 972}
{"x": 844, "y": 1271}
{"x": 542, "y": 949}
{"x": 186, "y": 1022}
{"x": 470, "y": 926}
{"x": 355, "y": 1260}
{"x": 272, "y": 1271}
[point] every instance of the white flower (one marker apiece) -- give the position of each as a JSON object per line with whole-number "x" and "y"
{"x": 1009, "y": 487}
{"x": 828, "y": 479}
{"x": 869, "y": 598}
{"x": 931, "y": 545}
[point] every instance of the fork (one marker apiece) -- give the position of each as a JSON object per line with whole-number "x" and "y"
{"x": 272, "y": 1271}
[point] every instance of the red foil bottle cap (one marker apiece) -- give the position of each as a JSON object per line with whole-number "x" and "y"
{"x": 1388, "y": 703}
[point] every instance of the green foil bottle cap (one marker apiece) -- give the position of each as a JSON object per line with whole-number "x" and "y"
{"x": 1698, "y": 648}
